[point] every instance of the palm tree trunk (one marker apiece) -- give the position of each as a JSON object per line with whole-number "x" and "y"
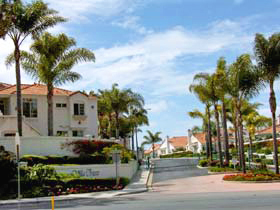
{"x": 218, "y": 134}
{"x": 209, "y": 133}
{"x": 241, "y": 141}
{"x": 50, "y": 109}
{"x": 18, "y": 81}
{"x": 226, "y": 146}
{"x": 250, "y": 153}
{"x": 272, "y": 102}
{"x": 137, "y": 149}
{"x": 235, "y": 136}
{"x": 117, "y": 125}
{"x": 132, "y": 139}
{"x": 205, "y": 125}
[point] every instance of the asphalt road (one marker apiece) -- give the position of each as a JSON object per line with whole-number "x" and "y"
{"x": 165, "y": 170}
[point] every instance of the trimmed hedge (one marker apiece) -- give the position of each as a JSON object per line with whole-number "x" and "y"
{"x": 179, "y": 155}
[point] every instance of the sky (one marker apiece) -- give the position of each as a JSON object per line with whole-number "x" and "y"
{"x": 155, "y": 47}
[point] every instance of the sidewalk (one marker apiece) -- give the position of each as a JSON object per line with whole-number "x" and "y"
{"x": 137, "y": 185}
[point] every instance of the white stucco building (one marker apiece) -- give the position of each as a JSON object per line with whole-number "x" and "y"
{"x": 74, "y": 113}
{"x": 171, "y": 145}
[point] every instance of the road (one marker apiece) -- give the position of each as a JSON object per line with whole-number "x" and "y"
{"x": 174, "y": 174}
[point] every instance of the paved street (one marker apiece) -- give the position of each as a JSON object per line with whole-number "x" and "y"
{"x": 179, "y": 185}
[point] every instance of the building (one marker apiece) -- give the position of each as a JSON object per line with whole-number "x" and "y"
{"x": 197, "y": 142}
{"x": 174, "y": 144}
{"x": 74, "y": 113}
{"x": 149, "y": 152}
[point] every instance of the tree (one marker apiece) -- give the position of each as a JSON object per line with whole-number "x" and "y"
{"x": 152, "y": 138}
{"x": 203, "y": 92}
{"x": 25, "y": 20}
{"x": 138, "y": 117}
{"x": 252, "y": 121}
{"x": 208, "y": 81}
{"x": 204, "y": 116}
{"x": 222, "y": 89}
{"x": 244, "y": 83}
{"x": 5, "y": 19}
{"x": 50, "y": 62}
{"x": 267, "y": 53}
{"x": 120, "y": 101}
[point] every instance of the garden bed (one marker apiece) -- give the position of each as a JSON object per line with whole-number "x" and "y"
{"x": 252, "y": 178}
{"x": 225, "y": 170}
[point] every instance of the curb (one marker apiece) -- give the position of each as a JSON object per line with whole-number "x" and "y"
{"x": 149, "y": 182}
{"x": 200, "y": 167}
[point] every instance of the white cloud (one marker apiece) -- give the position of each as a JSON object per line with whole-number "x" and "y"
{"x": 151, "y": 62}
{"x": 79, "y": 10}
{"x": 132, "y": 23}
{"x": 157, "y": 107}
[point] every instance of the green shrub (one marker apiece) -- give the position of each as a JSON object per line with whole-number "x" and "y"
{"x": 34, "y": 159}
{"x": 203, "y": 163}
{"x": 214, "y": 163}
{"x": 258, "y": 160}
{"x": 218, "y": 169}
{"x": 268, "y": 151}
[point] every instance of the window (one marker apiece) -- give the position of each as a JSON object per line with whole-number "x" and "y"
{"x": 30, "y": 107}
{"x": 79, "y": 109}
{"x": 78, "y": 133}
{"x": 60, "y": 105}
{"x": 61, "y": 133}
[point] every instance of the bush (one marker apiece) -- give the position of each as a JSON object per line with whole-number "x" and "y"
{"x": 180, "y": 155}
{"x": 214, "y": 163}
{"x": 203, "y": 163}
{"x": 34, "y": 159}
{"x": 86, "y": 146}
{"x": 258, "y": 160}
{"x": 218, "y": 169}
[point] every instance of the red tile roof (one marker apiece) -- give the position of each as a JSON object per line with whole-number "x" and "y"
{"x": 37, "y": 89}
{"x": 178, "y": 141}
{"x": 200, "y": 137}
{"x": 4, "y": 85}
{"x": 150, "y": 150}
{"x": 268, "y": 130}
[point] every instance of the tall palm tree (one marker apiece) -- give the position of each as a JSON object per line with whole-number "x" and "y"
{"x": 267, "y": 52}
{"x": 204, "y": 93}
{"x": 209, "y": 81}
{"x": 50, "y": 62}
{"x": 138, "y": 118}
{"x": 152, "y": 138}
{"x": 27, "y": 19}
{"x": 244, "y": 83}
{"x": 222, "y": 89}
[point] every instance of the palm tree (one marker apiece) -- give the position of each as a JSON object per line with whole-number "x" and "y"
{"x": 252, "y": 121}
{"x": 208, "y": 81}
{"x": 5, "y": 19}
{"x": 120, "y": 101}
{"x": 152, "y": 139}
{"x": 50, "y": 62}
{"x": 222, "y": 89}
{"x": 203, "y": 93}
{"x": 27, "y": 19}
{"x": 267, "y": 52}
{"x": 244, "y": 83}
{"x": 138, "y": 117}
{"x": 204, "y": 116}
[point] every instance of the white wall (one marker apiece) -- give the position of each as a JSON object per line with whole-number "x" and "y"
{"x": 101, "y": 170}
{"x": 40, "y": 145}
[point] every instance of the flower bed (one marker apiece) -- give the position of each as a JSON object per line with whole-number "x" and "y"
{"x": 252, "y": 177}
{"x": 218, "y": 169}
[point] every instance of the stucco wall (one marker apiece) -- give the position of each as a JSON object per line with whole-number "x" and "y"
{"x": 40, "y": 145}
{"x": 101, "y": 170}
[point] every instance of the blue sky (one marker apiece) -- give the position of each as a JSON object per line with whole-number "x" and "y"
{"x": 156, "y": 46}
